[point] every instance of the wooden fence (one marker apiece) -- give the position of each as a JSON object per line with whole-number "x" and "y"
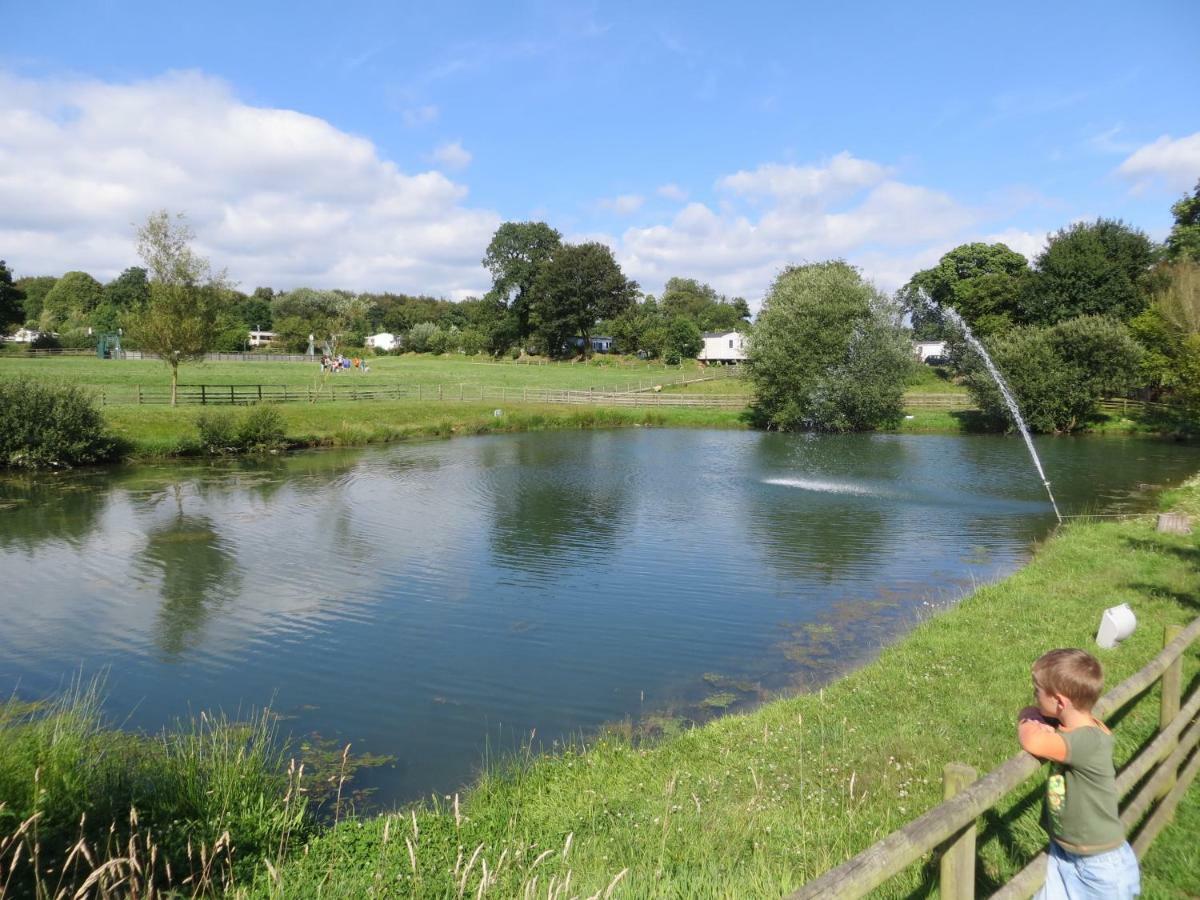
{"x": 242, "y": 394}
{"x": 1152, "y": 784}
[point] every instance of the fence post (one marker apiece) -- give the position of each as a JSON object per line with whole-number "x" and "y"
{"x": 1172, "y": 690}
{"x": 203, "y": 398}
{"x": 139, "y": 387}
{"x": 439, "y": 392}
{"x": 231, "y": 398}
{"x": 260, "y": 393}
{"x": 957, "y": 880}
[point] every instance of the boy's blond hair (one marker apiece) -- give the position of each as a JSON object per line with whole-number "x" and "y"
{"x": 1075, "y": 674}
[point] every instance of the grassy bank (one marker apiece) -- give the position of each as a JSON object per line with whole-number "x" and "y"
{"x": 750, "y": 805}
{"x": 161, "y": 431}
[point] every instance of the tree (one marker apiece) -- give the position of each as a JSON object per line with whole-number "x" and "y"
{"x": 12, "y": 299}
{"x": 1102, "y": 268}
{"x": 981, "y": 282}
{"x": 580, "y": 284}
{"x": 1058, "y": 373}
{"x": 71, "y": 301}
{"x": 178, "y": 321}
{"x": 515, "y": 256}
{"x": 828, "y": 352}
{"x": 35, "y": 288}
{"x": 1170, "y": 332}
{"x": 681, "y": 341}
{"x": 1184, "y": 240}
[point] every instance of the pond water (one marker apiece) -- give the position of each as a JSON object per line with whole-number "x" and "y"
{"x": 436, "y": 602}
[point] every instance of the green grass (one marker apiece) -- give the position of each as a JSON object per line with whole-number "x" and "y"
{"x": 118, "y": 378}
{"x": 158, "y": 431}
{"x": 926, "y": 379}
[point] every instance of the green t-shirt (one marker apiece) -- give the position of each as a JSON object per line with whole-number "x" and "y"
{"x": 1081, "y": 794}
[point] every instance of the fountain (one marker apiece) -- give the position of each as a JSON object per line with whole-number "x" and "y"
{"x": 1009, "y": 400}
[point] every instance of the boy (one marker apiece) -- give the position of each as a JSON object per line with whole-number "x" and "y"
{"x": 1089, "y": 856}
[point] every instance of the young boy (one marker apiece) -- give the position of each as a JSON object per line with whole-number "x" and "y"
{"x": 1089, "y": 856}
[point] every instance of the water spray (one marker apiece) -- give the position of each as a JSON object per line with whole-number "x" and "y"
{"x": 1009, "y": 399}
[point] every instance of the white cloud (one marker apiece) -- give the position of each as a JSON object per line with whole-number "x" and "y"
{"x": 624, "y": 205}
{"x": 419, "y": 115}
{"x": 778, "y": 215}
{"x": 275, "y": 196}
{"x": 1028, "y": 243}
{"x": 1175, "y": 161}
{"x": 453, "y": 155}
{"x": 672, "y": 192}
{"x": 840, "y": 175}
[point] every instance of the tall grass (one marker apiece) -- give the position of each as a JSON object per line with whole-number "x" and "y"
{"x": 87, "y": 807}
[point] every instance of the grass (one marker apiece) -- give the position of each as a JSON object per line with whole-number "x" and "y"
{"x": 161, "y": 431}
{"x": 747, "y": 806}
{"x": 118, "y": 378}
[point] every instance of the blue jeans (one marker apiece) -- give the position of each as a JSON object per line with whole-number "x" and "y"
{"x": 1113, "y": 875}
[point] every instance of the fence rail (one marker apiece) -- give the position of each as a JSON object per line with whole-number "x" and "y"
{"x": 242, "y": 394}
{"x": 950, "y": 827}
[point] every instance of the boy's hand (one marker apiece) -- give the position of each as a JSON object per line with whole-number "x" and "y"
{"x": 1039, "y": 737}
{"x": 1033, "y": 715}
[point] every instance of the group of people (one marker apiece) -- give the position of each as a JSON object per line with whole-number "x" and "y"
{"x": 339, "y": 363}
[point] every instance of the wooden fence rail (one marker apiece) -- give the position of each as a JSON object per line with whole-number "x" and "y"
{"x": 950, "y": 826}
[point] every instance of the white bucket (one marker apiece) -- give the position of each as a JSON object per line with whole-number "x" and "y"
{"x": 1116, "y": 624}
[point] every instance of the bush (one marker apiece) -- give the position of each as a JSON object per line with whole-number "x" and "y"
{"x": 218, "y": 431}
{"x": 224, "y": 431}
{"x": 261, "y": 429}
{"x": 50, "y": 426}
{"x": 45, "y": 341}
{"x": 77, "y": 339}
{"x": 1057, "y": 374}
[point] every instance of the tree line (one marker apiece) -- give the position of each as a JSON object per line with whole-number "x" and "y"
{"x": 1103, "y": 310}
{"x": 547, "y": 297}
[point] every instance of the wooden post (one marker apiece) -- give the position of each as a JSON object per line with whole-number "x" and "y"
{"x": 439, "y": 392}
{"x": 1173, "y": 523}
{"x": 260, "y": 393}
{"x": 203, "y": 398}
{"x": 139, "y": 387}
{"x": 1172, "y": 691}
{"x": 958, "y": 858}
{"x": 231, "y": 398}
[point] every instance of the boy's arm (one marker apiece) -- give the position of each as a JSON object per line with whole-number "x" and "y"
{"x": 1037, "y": 736}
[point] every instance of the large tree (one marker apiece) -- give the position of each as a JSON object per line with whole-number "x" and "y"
{"x": 12, "y": 311}
{"x": 1184, "y": 240}
{"x": 828, "y": 352}
{"x": 981, "y": 282}
{"x": 35, "y": 288}
{"x": 581, "y": 284}
{"x": 1100, "y": 268}
{"x": 515, "y": 256}
{"x": 178, "y": 321}
{"x": 71, "y": 301}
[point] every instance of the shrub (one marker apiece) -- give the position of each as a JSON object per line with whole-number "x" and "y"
{"x": 224, "y": 431}
{"x": 261, "y": 429}
{"x": 218, "y": 431}
{"x": 50, "y": 426}
{"x": 45, "y": 341}
{"x": 1057, "y": 374}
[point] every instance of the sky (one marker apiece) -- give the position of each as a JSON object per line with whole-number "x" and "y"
{"x": 378, "y": 146}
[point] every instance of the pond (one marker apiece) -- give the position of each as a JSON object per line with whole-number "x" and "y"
{"x": 441, "y": 602}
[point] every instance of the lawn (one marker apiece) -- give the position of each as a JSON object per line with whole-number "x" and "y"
{"x": 118, "y": 379}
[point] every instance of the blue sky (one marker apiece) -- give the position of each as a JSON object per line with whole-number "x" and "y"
{"x": 373, "y": 146}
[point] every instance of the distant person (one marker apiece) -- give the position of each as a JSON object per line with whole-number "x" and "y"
{"x": 1089, "y": 856}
